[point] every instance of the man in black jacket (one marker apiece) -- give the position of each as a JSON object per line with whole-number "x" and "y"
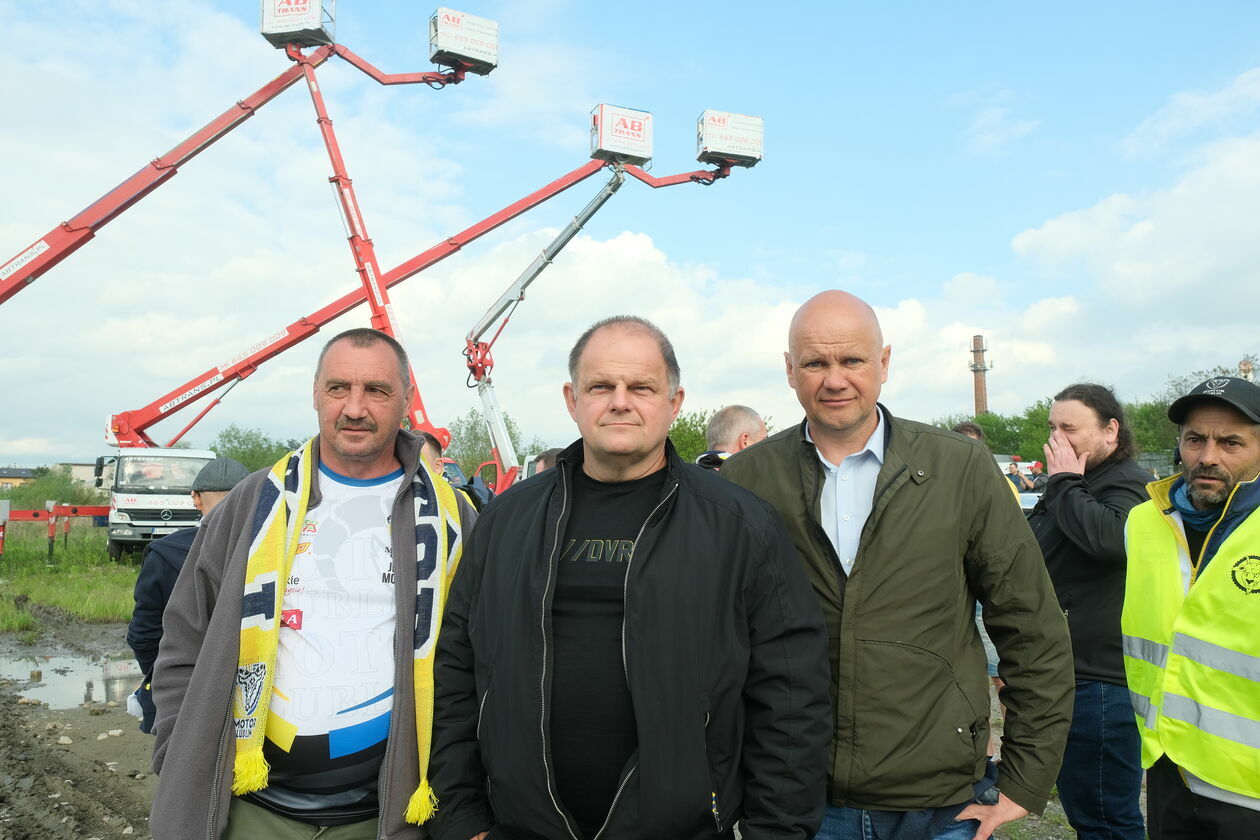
{"x": 162, "y": 561}
{"x": 630, "y": 649}
{"x": 1079, "y": 523}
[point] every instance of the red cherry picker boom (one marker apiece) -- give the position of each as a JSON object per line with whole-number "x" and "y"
{"x": 718, "y": 146}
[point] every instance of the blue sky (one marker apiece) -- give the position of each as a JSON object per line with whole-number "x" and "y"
{"x": 1078, "y": 183}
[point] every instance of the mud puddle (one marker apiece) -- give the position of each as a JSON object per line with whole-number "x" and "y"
{"x": 66, "y": 680}
{"x": 73, "y": 763}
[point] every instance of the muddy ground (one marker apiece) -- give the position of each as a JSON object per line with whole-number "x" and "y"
{"x": 91, "y": 787}
{"x": 101, "y": 787}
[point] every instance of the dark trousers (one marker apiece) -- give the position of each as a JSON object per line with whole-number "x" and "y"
{"x": 1101, "y": 778}
{"x": 1176, "y": 813}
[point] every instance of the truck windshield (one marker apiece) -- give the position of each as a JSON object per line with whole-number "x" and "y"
{"x": 138, "y": 474}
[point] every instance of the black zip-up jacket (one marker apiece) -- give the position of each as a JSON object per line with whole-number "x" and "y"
{"x": 162, "y": 561}
{"x": 1079, "y": 524}
{"x": 725, "y": 655}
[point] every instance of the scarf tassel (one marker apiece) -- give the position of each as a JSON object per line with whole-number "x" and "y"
{"x": 250, "y": 772}
{"x": 423, "y": 804}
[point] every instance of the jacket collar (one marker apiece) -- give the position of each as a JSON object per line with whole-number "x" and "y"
{"x": 1241, "y": 504}
{"x": 886, "y": 423}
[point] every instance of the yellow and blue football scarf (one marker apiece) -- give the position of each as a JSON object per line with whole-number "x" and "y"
{"x": 276, "y": 528}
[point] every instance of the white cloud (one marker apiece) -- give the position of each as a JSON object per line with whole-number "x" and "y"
{"x": 1196, "y": 242}
{"x": 1190, "y": 111}
{"x": 24, "y": 446}
{"x": 994, "y": 128}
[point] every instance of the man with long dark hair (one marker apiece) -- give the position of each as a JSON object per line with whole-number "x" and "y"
{"x": 1093, "y": 483}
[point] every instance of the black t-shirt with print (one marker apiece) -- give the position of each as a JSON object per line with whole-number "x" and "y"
{"x": 592, "y": 716}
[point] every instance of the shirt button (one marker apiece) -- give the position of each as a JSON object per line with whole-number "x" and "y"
{"x": 844, "y": 477}
{"x": 920, "y": 476}
{"x": 846, "y": 518}
{"x": 960, "y": 730}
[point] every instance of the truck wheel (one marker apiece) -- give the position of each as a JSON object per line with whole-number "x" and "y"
{"x": 116, "y": 550}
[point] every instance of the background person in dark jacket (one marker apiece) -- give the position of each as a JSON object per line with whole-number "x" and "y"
{"x": 162, "y": 561}
{"x": 731, "y": 429}
{"x": 901, "y": 528}
{"x": 630, "y": 649}
{"x": 1079, "y": 522}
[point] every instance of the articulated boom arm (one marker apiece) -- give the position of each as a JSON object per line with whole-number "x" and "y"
{"x": 478, "y": 354}
{"x": 130, "y": 428}
{"x": 68, "y": 237}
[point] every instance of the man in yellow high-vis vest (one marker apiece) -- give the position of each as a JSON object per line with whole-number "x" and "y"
{"x": 1191, "y": 621}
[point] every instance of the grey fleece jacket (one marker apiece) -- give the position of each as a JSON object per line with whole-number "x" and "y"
{"x": 196, "y": 665}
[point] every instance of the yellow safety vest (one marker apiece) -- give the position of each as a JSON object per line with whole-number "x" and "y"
{"x": 1192, "y": 646}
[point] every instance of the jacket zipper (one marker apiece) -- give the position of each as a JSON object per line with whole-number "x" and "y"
{"x": 214, "y": 788}
{"x": 625, "y": 663}
{"x": 542, "y": 682}
{"x": 383, "y": 784}
{"x": 481, "y": 710}
{"x": 625, "y": 586}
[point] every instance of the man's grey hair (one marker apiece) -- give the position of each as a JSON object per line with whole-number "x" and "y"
{"x": 368, "y": 337}
{"x": 630, "y": 322}
{"x": 727, "y": 424}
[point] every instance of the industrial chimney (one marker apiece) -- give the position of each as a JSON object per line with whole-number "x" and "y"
{"x": 979, "y": 370}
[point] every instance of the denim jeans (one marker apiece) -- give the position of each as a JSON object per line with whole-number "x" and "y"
{"x": 857, "y": 824}
{"x": 841, "y": 823}
{"x": 1102, "y": 768}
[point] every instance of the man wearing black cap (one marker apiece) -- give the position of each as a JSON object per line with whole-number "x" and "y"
{"x": 162, "y": 561}
{"x": 1191, "y": 646}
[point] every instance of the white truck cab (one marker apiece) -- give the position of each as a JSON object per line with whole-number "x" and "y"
{"x": 149, "y": 494}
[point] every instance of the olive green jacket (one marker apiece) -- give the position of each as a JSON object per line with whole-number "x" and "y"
{"x": 909, "y": 676}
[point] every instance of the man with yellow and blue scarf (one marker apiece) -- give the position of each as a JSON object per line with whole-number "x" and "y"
{"x": 1192, "y": 600}
{"x": 294, "y": 684}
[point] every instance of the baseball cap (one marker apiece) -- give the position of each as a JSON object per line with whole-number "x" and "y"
{"x": 220, "y": 475}
{"x": 1241, "y": 394}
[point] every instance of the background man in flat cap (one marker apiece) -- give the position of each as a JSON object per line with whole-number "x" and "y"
{"x": 1192, "y": 600}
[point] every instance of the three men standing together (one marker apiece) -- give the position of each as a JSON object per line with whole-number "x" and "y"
{"x": 638, "y": 648}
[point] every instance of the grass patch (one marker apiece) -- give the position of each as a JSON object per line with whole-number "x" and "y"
{"x": 13, "y": 618}
{"x": 82, "y": 581}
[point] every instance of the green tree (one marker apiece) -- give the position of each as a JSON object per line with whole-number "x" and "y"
{"x": 252, "y": 447}
{"x": 687, "y": 433}
{"x": 1178, "y": 386}
{"x": 1152, "y": 429}
{"x": 1010, "y": 434}
{"x": 470, "y": 443}
{"x": 52, "y": 484}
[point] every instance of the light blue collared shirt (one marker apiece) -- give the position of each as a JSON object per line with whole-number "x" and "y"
{"x": 848, "y": 493}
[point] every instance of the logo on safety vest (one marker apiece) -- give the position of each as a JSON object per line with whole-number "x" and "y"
{"x": 1247, "y": 574}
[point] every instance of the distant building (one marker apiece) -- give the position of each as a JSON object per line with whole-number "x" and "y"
{"x": 80, "y": 472}
{"x": 11, "y": 477}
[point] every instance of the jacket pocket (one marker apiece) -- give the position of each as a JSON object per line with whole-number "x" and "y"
{"x": 922, "y": 733}
{"x": 723, "y": 802}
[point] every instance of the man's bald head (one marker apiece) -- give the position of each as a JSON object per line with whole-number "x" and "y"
{"x": 835, "y": 310}
{"x": 836, "y": 363}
